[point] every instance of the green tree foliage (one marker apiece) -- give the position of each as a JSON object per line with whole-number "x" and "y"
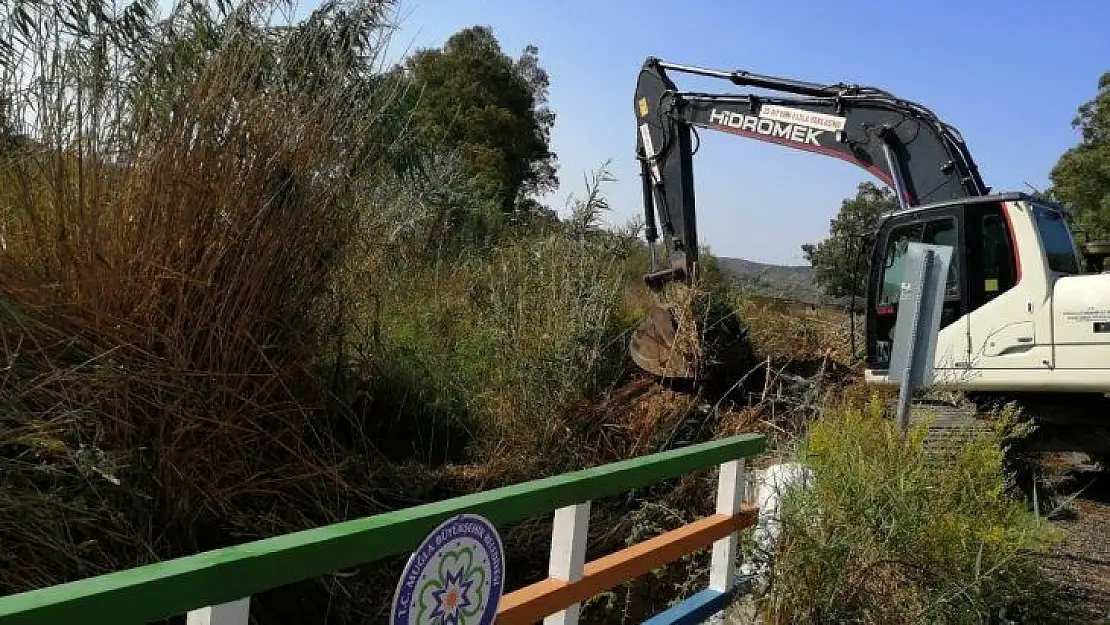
{"x": 1081, "y": 178}
{"x": 471, "y": 97}
{"x": 834, "y": 259}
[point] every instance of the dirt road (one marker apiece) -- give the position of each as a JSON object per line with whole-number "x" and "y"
{"x": 1082, "y": 562}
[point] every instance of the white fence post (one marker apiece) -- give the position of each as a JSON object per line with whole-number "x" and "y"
{"x": 730, "y": 495}
{"x": 568, "y": 554}
{"x": 231, "y": 613}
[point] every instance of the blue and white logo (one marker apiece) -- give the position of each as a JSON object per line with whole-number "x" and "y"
{"x": 455, "y": 577}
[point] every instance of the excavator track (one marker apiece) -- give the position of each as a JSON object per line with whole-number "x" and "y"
{"x": 950, "y": 426}
{"x": 1065, "y": 425}
{"x": 1071, "y": 436}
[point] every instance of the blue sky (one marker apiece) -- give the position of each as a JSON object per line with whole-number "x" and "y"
{"x": 1009, "y": 75}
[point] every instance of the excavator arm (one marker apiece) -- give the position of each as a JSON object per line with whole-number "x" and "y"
{"x": 900, "y": 142}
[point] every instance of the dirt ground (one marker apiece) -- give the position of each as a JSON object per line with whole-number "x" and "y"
{"x": 1082, "y": 562}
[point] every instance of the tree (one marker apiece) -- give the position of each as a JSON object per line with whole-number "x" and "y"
{"x": 834, "y": 259}
{"x": 471, "y": 97}
{"x": 1081, "y": 178}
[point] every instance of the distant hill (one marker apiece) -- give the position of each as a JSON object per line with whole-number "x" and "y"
{"x": 792, "y": 282}
{"x": 786, "y": 281}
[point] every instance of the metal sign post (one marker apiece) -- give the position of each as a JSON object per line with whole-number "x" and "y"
{"x": 918, "y": 321}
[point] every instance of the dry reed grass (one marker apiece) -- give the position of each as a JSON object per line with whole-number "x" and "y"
{"x": 787, "y": 331}
{"x": 175, "y": 203}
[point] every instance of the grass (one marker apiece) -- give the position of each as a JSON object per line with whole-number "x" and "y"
{"x": 169, "y": 248}
{"x": 883, "y": 535}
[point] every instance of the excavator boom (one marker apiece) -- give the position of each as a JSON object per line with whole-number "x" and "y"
{"x": 900, "y": 142}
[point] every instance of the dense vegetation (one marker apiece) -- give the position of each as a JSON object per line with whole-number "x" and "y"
{"x": 888, "y": 533}
{"x": 254, "y": 283}
{"x": 247, "y": 290}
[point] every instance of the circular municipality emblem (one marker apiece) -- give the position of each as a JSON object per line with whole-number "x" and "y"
{"x": 455, "y": 577}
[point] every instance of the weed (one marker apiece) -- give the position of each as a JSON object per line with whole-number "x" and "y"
{"x": 884, "y": 535}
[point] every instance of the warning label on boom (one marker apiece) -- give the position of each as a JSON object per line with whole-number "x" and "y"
{"x": 821, "y": 121}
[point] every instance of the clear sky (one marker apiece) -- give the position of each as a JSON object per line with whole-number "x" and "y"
{"x": 1008, "y": 74}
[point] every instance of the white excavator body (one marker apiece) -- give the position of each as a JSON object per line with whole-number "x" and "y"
{"x": 1022, "y": 316}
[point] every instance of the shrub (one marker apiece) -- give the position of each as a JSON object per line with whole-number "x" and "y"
{"x": 887, "y": 535}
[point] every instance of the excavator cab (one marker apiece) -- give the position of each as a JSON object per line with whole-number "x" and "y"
{"x": 984, "y": 265}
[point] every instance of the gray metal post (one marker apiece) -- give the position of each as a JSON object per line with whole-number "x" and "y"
{"x": 918, "y": 322}
{"x": 905, "y": 392}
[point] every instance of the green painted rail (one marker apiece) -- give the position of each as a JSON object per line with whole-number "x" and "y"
{"x": 164, "y": 589}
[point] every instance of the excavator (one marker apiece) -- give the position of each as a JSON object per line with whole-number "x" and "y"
{"x": 1026, "y": 311}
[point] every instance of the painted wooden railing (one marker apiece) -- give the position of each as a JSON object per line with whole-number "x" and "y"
{"x": 214, "y": 587}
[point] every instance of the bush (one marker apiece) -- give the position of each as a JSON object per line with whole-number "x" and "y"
{"x": 886, "y": 535}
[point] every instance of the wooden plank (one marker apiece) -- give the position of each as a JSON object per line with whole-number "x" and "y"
{"x": 174, "y": 587}
{"x": 694, "y": 610}
{"x": 234, "y": 613}
{"x": 730, "y": 496}
{"x": 568, "y": 555}
{"x": 533, "y": 603}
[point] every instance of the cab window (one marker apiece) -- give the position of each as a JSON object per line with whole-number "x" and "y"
{"x": 1058, "y": 245}
{"x": 935, "y": 232}
{"x": 894, "y": 272}
{"x": 997, "y": 254}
